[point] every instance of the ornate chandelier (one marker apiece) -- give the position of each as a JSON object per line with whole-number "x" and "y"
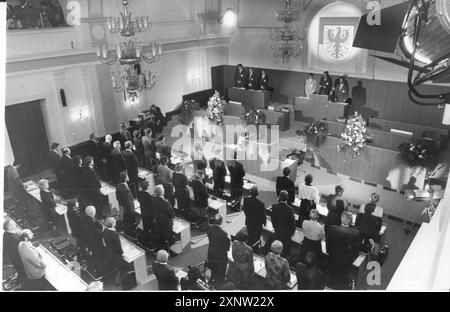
{"x": 288, "y": 42}
{"x": 130, "y": 53}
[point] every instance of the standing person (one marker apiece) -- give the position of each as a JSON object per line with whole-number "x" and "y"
{"x": 369, "y": 226}
{"x": 219, "y": 244}
{"x": 341, "y": 90}
{"x": 117, "y": 161}
{"x": 15, "y": 182}
{"x": 277, "y": 267}
{"x": 91, "y": 185}
{"x": 283, "y": 221}
{"x": 54, "y": 159}
{"x": 164, "y": 172}
{"x": 378, "y": 211}
{"x": 113, "y": 248}
{"x": 149, "y": 154}
{"x": 242, "y": 261}
{"x": 198, "y": 159}
{"x": 239, "y": 77}
{"x": 67, "y": 168}
{"x": 237, "y": 174}
{"x": 252, "y": 79}
{"x": 76, "y": 225}
{"x": 164, "y": 215}
{"x": 201, "y": 194}
{"x": 164, "y": 272}
{"x": 124, "y": 134}
{"x": 314, "y": 235}
{"x": 93, "y": 232}
{"x": 286, "y": 184}
{"x": 77, "y": 176}
{"x": 138, "y": 146}
{"x": 11, "y": 242}
{"x": 336, "y": 204}
{"x": 126, "y": 202}
{"x": 310, "y": 85}
{"x": 105, "y": 155}
{"x": 343, "y": 244}
{"x": 263, "y": 81}
{"x": 309, "y": 198}
{"x": 326, "y": 84}
{"x": 93, "y": 148}
{"x": 48, "y": 204}
{"x": 132, "y": 164}
{"x": 217, "y": 165}
{"x": 147, "y": 210}
{"x": 308, "y": 276}
{"x": 32, "y": 262}
{"x": 255, "y": 215}
{"x": 162, "y": 148}
{"x": 180, "y": 183}
{"x": 157, "y": 118}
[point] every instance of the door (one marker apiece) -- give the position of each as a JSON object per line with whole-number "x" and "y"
{"x": 28, "y": 136}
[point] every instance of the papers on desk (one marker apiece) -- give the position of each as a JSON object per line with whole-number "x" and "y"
{"x": 179, "y": 225}
{"x": 59, "y": 275}
{"x": 215, "y": 204}
{"x": 107, "y": 189}
{"x": 29, "y": 186}
{"x": 60, "y": 209}
{"x": 180, "y": 274}
{"x": 131, "y": 252}
{"x": 143, "y": 173}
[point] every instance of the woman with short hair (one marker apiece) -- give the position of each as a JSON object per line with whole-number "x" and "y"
{"x": 277, "y": 268}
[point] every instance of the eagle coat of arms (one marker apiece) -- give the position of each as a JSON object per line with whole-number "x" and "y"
{"x": 338, "y": 42}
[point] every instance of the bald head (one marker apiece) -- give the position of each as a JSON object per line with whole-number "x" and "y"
{"x": 162, "y": 256}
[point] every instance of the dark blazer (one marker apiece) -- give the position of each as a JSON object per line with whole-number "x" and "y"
{"x": 325, "y": 86}
{"x": 252, "y": 81}
{"x": 237, "y": 174}
{"x": 124, "y": 136}
{"x": 113, "y": 247}
{"x": 10, "y": 249}
{"x": 201, "y": 194}
{"x": 118, "y": 163}
{"x": 255, "y": 212}
{"x": 66, "y": 165}
{"x": 219, "y": 244}
{"x": 239, "y": 78}
{"x": 164, "y": 215}
{"x": 343, "y": 244}
{"x": 286, "y": 184}
{"x": 91, "y": 186}
{"x": 264, "y": 82}
{"x": 309, "y": 278}
{"x": 283, "y": 219}
{"x": 54, "y": 159}
{"x": 93, "y": 233}
{"x": 105, "y": 151}
{"x": 131, "y": 163}
{"x": 219, "y": 172}
{"x": 124, "y": 197}
{"x": 368, "y": 224}
{"x": 179, "y": 181}
{"x": 76, "y": 225}
{"x": 165, "y": 274}
{"x": 48, "y": 205}
{"x": 147, "y": 210}
{"x": 93, "y": 150}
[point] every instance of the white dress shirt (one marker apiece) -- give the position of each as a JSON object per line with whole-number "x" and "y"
{"x": 378, "y": 212}
{"x": 308, "y": 192}
{"x": 313, "y": 230}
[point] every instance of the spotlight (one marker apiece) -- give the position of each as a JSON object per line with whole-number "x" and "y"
{"x": 228, "y": 18}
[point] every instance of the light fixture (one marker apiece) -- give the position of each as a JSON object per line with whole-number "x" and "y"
{"x": 130, "y": 53}
{"x": 287, "y": 41}
{"x": 228, "y": 18}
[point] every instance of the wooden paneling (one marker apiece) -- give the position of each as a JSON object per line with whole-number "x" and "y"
{"x": 389, "y": 100}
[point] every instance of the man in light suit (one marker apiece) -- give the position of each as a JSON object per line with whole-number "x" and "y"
{"x": 164, "y": 272}
{"x": 32, "y": 263}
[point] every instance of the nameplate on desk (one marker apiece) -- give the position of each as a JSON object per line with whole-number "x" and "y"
{"x": 233, "y": 102}
{"x": 402, "y": 132}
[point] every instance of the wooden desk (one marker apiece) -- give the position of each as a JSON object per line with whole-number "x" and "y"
{"x": 134, "y": 254}
{"x": 220, "y": 206}
{"x": 182, "y": 228}
{"x": 251, "y": 99}
{"x": 58, "y": 274}
{"x": 110, "y": 192}
{"x": 318, "y": 107}
{"x": 147, "y": 175}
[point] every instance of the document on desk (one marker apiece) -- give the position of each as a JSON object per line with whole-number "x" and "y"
{"x": 322, "y": 209}
{"x": 60, "y": 209}
{"x": 29, "y": 186}
{"x": 59, "y": 275}
{"x": 130, "y": 251}
{"x": 179, "y": 225}
{"x": 107, "y": 189}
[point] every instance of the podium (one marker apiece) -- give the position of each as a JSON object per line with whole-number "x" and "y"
{"x": 251, "y": 99}
{"x": 318, "y": 107}
{"x": 110, "y": 192}
{"x": 134, "y": 254}
{"x": 220, "y": 206}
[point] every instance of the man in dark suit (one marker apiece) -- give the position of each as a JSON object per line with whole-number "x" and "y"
{"x": 308, "y": 276}
{"x": 105, "y": 155}
{"x": 286, "y": 184}
{"x": 325, "y": 84}
{"x": 255, "y": 215}
{"x": 67, "y": 170}
{"x": 283, "y": 221}
{"x": 93, "y": 148}
{"x": 263, "y": 81}
{"x": 11, "y": 242}
{"x": 132, "y": 163}
{"x": 147, "y": 209}
{"x": 217, "y": 165}
{"x": 113, "y": 246}
{"x": 126, "y": 203}
{"x": 252, "y": 79}
{"x": 117, "y": 161}
{"x": 239, "y": 77}
{"x": 91, "y": 185}
{"x": 164, "y": 272}
{"x": 219, "y": 244}
{"x": 237, "y": 174}
{"x": 164, "y": 215}
{"x": 54, "y": 159}
{"x": 343, "y": 244}
{"x": 201, "y": 194}
{"x": 93, "y": 233}
{"x": 124, "y": 134}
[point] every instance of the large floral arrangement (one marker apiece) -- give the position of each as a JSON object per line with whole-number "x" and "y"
{"x": 255, "y": 117}
{"x": 419, "y": 153}
{"x": 214, "y": 112}
{"x": 354, "y": 136}
{"x": 316, "y": 133}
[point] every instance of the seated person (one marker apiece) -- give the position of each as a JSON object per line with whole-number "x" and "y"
{"x": 369, "y": 226}
{"x": 308, "y": 276}
{"x": 278, "y": 275}
{"x": 164, "y": 272}
{"x": 241, "y": 271}
{"x": 190, "y": 282}
{"x": 286, "y": 184}
{"x": 239, "y": 77}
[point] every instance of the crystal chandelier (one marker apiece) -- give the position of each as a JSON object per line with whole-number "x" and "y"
{"x": 288, "y": 42}
{"x": 130, "y": 53}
